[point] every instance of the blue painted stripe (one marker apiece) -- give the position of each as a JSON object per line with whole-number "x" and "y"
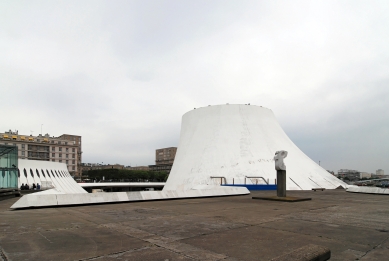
{"x": 254, "y": 187}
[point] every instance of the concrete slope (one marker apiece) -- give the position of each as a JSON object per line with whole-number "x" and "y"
{"x": 53, "y": 176}
{"x": 235, "y": 141}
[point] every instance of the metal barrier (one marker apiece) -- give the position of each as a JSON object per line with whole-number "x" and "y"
{"x": 255, "y": 177}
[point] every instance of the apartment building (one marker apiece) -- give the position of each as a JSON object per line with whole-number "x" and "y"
{"x": 164, "y": 159}
{"x": 65, "y": 148}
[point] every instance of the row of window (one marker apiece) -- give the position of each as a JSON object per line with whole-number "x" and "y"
{"x": 52, "y": 148}
{"x": 60, "y": 155}
{"x": 67, "y": 162}
{"x": 61, "y": 142}
{"x": 59, "y": 173}
{"x": 60, "y": 149}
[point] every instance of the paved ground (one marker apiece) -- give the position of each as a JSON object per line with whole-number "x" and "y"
{"x": 353, "y": 226}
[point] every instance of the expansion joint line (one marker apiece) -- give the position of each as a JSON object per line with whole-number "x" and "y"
{"x": 380, "y": 244}
{"x": 2, "y": 255}
{"x": 113, "y": 254}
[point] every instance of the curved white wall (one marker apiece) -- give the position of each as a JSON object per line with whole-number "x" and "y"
{"x": 50, "y": 175}
{"x": 234, "y": 141}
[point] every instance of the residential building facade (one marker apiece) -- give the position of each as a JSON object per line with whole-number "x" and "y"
{"x": 65, "y": 148}
{"x": 164, "y": 159}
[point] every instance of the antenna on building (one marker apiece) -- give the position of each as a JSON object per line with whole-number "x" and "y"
{"x": 32, "y": 132}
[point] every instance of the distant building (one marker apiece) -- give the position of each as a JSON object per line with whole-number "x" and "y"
{"x": 93, "y": 166}
{"x": 379, "y": 172}
{"x": 349, "y": 173}
{"x": 164, "y": 159}
{"x": 65, "y": 148}
{"x": 364, "y": 175}
{"x": 145, "y": 168}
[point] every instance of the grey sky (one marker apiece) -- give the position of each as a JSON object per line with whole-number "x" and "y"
{"x": 122, "y": 73}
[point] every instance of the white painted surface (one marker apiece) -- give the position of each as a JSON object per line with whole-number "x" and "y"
{"x": 54, "y": 173}
{"x": 366, "y": 189}
{"x": 234, "y": 141}
{"x": 42, "y": 200}
{"x": 122, "y": 184}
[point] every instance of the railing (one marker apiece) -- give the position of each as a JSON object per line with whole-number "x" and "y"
{"x": 221, "y": 179}
{"x": 255, "y": 177}
{"x": 233, "y": 179}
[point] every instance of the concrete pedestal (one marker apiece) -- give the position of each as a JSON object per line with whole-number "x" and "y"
{"x": 281, "y": 183}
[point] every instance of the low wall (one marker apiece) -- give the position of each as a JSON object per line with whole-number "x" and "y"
{"x": 254, "y": 187}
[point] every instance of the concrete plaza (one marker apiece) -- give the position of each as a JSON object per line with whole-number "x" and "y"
{"x": 354, "y": 227}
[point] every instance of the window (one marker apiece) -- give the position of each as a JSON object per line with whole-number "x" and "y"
{"x": 67, "y": 162}
{"x": 53, "y": 160}
{"x": 73, "y": 168}
{"x": 38, "y": 140}
{"x": 66, "y": 143}
{"x": 37, "y": 173}
{"x": 60, "y": 155}
{"x": 67, "y": 149}
{"x": 48, "y": 174}
{"x": 73, "y": 156}
{"x": 25, "y": 173}
{"x": 23, "y": 146}
{"x": 53, "y": 148}
{"x": 60, "y": 160}
{"x": 73, "y": 161}
{"x": 67, "y": 155}
{"x": 60, "y": 148}
{"x": 22, "y": 153}
{"x": 52, "y": 154}
{"x": 59, "y": 142}
{"x": 32, "y": 173}
{"x": 43, "y": 173}
{"x": 73, "y": 150}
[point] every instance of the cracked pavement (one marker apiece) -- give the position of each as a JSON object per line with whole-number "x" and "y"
{"x": 354, "y": 226}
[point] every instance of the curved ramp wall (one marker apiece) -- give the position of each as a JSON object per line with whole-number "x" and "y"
{"x": 232, "y": 142}
{"x": 53, "y": 177}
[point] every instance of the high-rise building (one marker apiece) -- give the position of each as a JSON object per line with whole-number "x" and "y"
{"x": 65, "y": 148}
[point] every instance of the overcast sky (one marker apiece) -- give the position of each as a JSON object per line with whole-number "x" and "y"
{"x": 122, "y": 73}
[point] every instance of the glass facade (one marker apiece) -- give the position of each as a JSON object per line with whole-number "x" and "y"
{"x": 8, "y": 167}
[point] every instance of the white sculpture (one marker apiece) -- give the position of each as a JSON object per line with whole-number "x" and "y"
{"x": 279, "y": 159}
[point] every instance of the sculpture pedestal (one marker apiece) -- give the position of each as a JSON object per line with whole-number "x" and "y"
{"x": 281, "y": 183}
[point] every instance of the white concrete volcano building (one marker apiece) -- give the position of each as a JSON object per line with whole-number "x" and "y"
{"x": 231, "y": 142}
{"x": 218, "y": 144}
